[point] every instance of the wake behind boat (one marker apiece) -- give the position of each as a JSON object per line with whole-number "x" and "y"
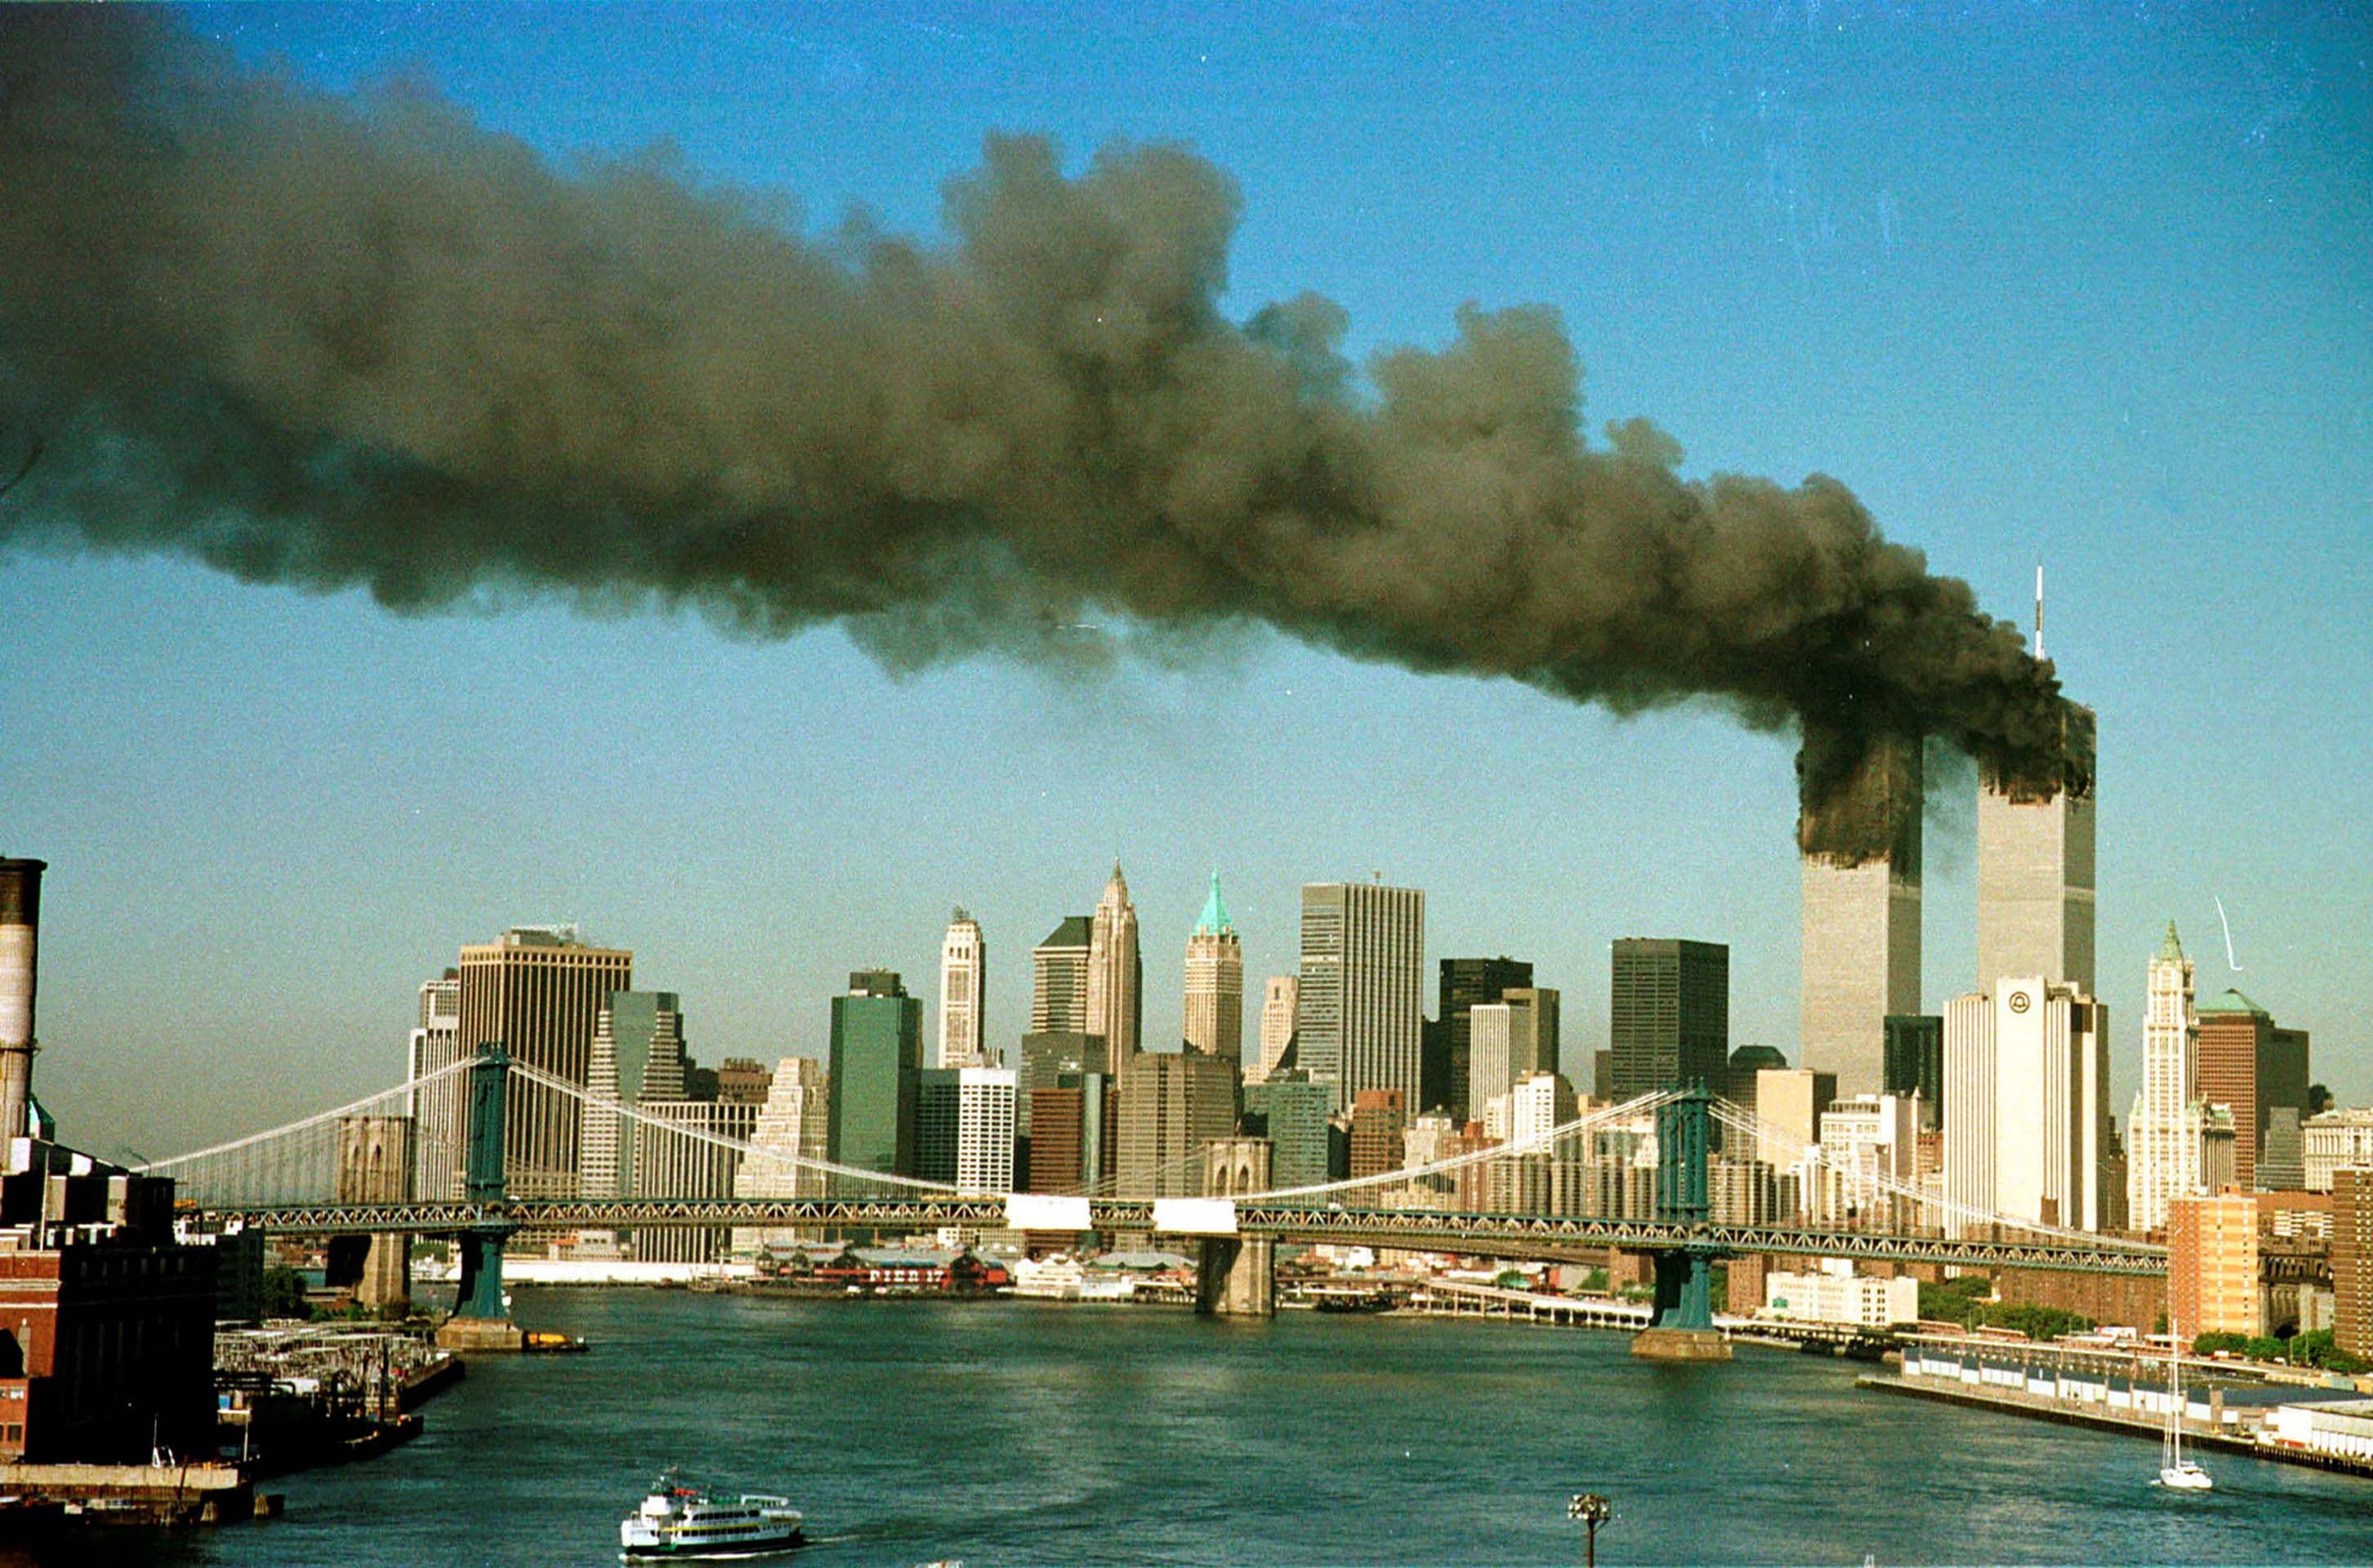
{"x": 681, "y": 1521}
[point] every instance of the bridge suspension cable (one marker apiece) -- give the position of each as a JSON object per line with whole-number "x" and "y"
{"x": 1910, "y": 1196}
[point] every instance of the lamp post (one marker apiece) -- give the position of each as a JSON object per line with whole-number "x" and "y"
{"x": 1593, "y": 1511}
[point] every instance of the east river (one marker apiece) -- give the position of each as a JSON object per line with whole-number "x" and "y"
{"x": 1024, "y": 1433}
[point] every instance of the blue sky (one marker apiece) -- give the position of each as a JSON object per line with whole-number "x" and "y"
{"x": 2082, "y": 282}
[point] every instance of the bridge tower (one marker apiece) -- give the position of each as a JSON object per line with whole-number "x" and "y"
{"x": 480, "y": 1321}
{"x": 1238, "y": 1275}
{"x": 1682, "y": 1329}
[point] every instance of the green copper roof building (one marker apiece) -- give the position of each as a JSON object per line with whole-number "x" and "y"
{"x": 1214, "y": 1024}
{"x": 1215, "y": 918}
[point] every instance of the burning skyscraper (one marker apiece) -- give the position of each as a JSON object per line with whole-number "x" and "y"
{"x": 1861, "y": 912}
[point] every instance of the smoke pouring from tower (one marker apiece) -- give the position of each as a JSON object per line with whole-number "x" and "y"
{"x": 330, "y": 342}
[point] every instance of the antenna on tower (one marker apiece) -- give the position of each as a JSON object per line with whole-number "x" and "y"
{"x": 2038, "y": 610}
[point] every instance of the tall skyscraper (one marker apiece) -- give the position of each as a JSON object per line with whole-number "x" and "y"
{"x": 2035, "y": 880}
{"x": 1280, "y": 1002}
{"x": 963, "y": 979}
{"x": 1360, "y": 1007}
{"x": 2247, "y": 1064}
{"x": 964, "y": 1127}
{"x": 1915, "y": 1064}
{"x": 1509, "y": 1040}
{"x": 1461, "y": 984}
{"x": 638, "y": 1059}
{"x": 689, "y": 1149}
{"x": 1379, "y": 1118}
{"x": 1172, "y": 1104}
{"x": 1668, "y": 1014}
{"x": 434, "y": 1044}
{"x": 2026, "y": 1118}
{"x": 1116, "y": 973}
{"x": 1861, "y": 928}
{"x": 537, "y": 991}
{"x": 1215, "y": 982}
{"x": 877, "y": 1049}
{"x": 791, "y": 1127}
{"x": 1058, "y": 978}
{"x": 1533, "y": 1041}
{"x": 1297, "y": 1115}
{"x": 2166, "y": 1128}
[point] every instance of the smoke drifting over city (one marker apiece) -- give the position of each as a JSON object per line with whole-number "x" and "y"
{"x": 330, "y": 341}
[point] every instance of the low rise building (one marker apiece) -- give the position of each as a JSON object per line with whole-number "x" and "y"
{"x": 2332, "y": 1142}
{"x": 2213, "y": 1281}
{"x": 1841, "y": 1297}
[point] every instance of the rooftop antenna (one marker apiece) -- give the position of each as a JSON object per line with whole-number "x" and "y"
{"x": 2039, "y": 612}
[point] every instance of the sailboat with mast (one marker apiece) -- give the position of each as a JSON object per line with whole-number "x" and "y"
{"x": 2176, "y": 1472}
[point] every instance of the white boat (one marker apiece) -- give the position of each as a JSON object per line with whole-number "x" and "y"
{"x": 2176, "y": 1472}
{"x": 681, "y": 1521}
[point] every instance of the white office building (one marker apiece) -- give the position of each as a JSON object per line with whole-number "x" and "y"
{"x": 2027, "y": 1123}
{"x": 964, "y": 977}
{"x": 1280, "y": 998}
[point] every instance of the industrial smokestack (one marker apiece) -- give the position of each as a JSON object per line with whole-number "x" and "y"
{"x": 20, "y": 919}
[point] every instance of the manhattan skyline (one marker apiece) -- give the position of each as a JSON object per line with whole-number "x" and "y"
{"x": 2094, "y": 302}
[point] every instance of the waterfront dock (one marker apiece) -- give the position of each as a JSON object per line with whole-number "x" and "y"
{"x": 2229, "y": 1408}
{"x": 137, "y": 1494}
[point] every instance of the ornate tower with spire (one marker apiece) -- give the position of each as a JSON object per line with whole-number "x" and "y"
{"x": 1116, "y": 973}
{"x": 2164, "y": 1131}
{"x": 1215, "y": 983}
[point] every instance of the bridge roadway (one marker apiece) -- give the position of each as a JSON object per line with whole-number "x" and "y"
{"x": 1482, "y": 1235}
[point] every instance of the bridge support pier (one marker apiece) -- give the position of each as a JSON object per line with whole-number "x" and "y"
{"x": 1682, "y": 1329}
{"x": 481, "y": 1321}
{"x": 1236, "y": 1275}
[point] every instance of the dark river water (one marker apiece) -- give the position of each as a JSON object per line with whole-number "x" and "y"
{"x": 1019, "y": 1433}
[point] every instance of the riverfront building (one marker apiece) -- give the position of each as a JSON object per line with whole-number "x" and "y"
{"x": 538, "y": 991}
{"x": 2251, "y": 1067}
{"x": 964, "y": 981}
{"x": 1215, "y": 983}
{"x": 1362, "y": 992}
{"x": 1668, "y": 1014}
{"x": 1116, "y": 973}
{"x": 877, "y": 1049}
{"x": 1860, "y": 936}
{"x": 2213, "y": 1285}
{"x": 2352, "y": 1260}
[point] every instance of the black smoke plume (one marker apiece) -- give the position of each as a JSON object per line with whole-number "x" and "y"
{"x": 330, "y": 342}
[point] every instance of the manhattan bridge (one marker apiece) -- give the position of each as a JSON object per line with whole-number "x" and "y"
{"x": 1681, "y": 1177}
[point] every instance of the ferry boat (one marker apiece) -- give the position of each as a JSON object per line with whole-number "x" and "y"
{"x": 683, "y": 1521}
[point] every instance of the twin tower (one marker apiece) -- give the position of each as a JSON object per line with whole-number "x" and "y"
{"x": 1861, "y": 920}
